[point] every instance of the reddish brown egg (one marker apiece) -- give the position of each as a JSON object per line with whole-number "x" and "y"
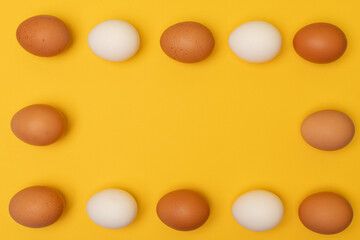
{"x": 183, "y": 210}
{"x": 38, "y": 124}
{"x": 328, "y": 130}
{"x": 325, "y": 213}
{"x": 187, "y": 42}
{"x": 36, "y": 206}
{"x": 320, "y": 42}
{"x": 44, "y": 36}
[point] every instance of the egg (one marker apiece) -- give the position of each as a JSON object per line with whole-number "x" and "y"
{"x": 258, "y": 210}
{"x": 114, "y": 40}
{"x": 325, "y": 213}
{"x": 38, "y": 124}
{"x": 187, "y": 42}
{"x": 43, "y": 35}
{"x": 320, "y": 42}
{"x": 112, "y": 208}
{"x": 328, "y": 130}
{"x": 183, "y": 210}
{"x": 255, "y": 41}
{"x": 37, "y": 206}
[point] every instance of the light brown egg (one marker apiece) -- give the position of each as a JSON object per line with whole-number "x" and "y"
{"x": 187, "y": 42}
{"x": 328, "y": 130}
{"x": 183, "y": 210}
{"x": 38, "y": 124}
{"x": 36, "y": 206}
{"x": 320, "y": 42}
{"x": 326, "y": 213}
{"x": 43, "y": 35}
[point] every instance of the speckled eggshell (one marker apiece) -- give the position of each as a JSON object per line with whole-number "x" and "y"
{"x": 183, "y": 210}
{"x": 37, "y": 206}
{"x": 187, "y": 42}
{"x": 43, "y": 35}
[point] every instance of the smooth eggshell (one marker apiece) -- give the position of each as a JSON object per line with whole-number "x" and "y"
{"x": 328, "y": 130}
{"x": 255, "y": 41}
{"x": 37, "y": 206}
{"x": 38, "y": 124}
{"x": 187, "y": 42}
{"x": 183, "y": 210}
{"x": 43, "y": 35}
{"x": 258, "y": 210}
{"x": 325, "y": 213}
{"x": 112, "y": 208}
{"x": 320, "y": 42}
{"x": 114, "y": 40}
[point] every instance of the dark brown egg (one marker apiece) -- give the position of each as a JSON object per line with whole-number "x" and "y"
{"x": 44, "y": 36}
{"x": 328, "y": 130}
{"x": 38, "y": 124}
{"x": 326, "y": 213}
{"x": 183, "y": 210}
{"x": 320, "y": 42}
{"x": 36, "y": 206}
{"x": 187, "y": 42}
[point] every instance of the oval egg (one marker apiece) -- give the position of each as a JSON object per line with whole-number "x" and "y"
{"x": 320, "y": 42}
{"x": 36, "y": 206}
{"x": 43, "y": 35}
{"x": 187, "y": 42}
{"x": 328, "y": 130}
{"x": 325, "y": 213}
{"x": 114, "y": 40}
{"x": 38, "y": 124}
{"x": 183, "y": 210}
{"x": 112, "y": 208}
{"x": 255, "y": 41}
{"x": 246, "y": 210}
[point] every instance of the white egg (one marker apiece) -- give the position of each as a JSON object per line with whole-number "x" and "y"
{"x": 112, "y": 208}
{"x": 258, "y": 210}
{"x": 255, "y": 41}
{"x": 114, "y": 40}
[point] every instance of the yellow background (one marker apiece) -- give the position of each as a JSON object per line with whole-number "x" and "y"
{"x": 151, "y": 125}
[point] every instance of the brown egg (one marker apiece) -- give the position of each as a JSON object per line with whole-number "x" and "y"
{"x": 187, "y": 42}
{"x": 326, "y": 213}
{"x": 183, "y": 210}
{"x": 320, "y": 42}
{"x": 37, "y": 206}
{"x": 44, "y": 36}
{"x": 328, "y": 130}
{"x": 38, "y": 124}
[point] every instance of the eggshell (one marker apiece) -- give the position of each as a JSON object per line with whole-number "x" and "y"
{"x": 38, "y": 124}
{"x": 187, "y": 42}
{"x": 114, "y": 40}
{"x": 37, "y": 206}
{"x": 183, "y": 210}
{"x": 258, "y": 210}
{"x": 256, "y": 41}
{"x": 43, "y": 35}
{"x": 112, "y": 208}
{"x": 325, "y": 213}
{"x": 320, "y": 42}
{"x": 328, "y": 130}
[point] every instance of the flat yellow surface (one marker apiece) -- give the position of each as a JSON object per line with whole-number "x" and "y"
{"x": 151, "y": 125}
